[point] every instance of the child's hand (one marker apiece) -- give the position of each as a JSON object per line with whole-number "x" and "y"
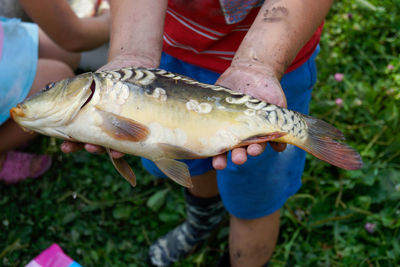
{"x": 127, "y": 60}
{"x": 68, "y": 147}
{"x": 261, "y": 83}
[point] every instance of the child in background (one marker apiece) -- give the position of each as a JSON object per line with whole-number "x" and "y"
{"x": 31, "y": 56}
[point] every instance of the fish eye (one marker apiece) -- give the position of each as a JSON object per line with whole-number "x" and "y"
{"x": 48, "y": 86}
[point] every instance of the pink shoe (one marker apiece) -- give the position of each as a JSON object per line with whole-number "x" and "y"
{"x": 53, "y": 256}
{"x": 19, "y": 166}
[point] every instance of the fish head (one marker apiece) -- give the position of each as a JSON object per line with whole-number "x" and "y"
{"x": 55, "y": 106}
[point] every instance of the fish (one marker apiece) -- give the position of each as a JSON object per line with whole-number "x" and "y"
{"x": 165, "y": 117}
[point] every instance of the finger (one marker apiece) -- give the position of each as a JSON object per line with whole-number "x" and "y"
{"x": 239, "y": 155}
{"x": 94, "y": 149}
{"x": 278, "y": 147}
{"x": 256, "y": 149}
{"x": 116, "y": 154}
{"x": 219, "y": 161}
{"x": 68, "y": 147}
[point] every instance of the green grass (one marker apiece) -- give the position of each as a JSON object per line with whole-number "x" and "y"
{"x": 100, "y": 220}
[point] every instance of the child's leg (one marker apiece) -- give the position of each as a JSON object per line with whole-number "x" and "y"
{"x": 50, "y": 50}
{"x": 48, "y": 70}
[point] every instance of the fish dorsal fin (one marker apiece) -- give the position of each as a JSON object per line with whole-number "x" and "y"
{"x": 261, "y": 138}
{"x": 123, "y": 168}
{"x": 176, "y": 170}
{"x": 176, "y": 152}
{"x": 122, "y": 128}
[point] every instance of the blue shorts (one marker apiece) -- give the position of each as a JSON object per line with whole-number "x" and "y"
{"x": 264, "y": 183}
{"x": 18, "y": 62}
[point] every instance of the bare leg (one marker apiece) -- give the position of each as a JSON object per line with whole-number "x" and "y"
{"x": 205, "y": 185}
{"x": 50, "y": 50}
{"x": 49, "y": 70}
{"x": 11, "y": 135}
{"x": 252, "y": 242}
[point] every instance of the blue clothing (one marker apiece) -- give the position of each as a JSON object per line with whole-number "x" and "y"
{"x": 18, "y": 63}
{"x": 264, "y": 183}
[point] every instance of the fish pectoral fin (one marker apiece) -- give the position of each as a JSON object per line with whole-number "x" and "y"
{"x": 176, "y": 170}
{"x": 123, "y": 168}
{"x": 176, "y": 152}
{"x": 261, "y": 138}
{"x": 122, "y": 128}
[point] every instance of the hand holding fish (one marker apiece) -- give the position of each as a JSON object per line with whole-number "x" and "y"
{"x": 261, "y": 83}
{"x": 131, "y": 60}
{"x": 163, "y": 116}
{"x": 144, "y": 52}
{"x": 248, "y": 80}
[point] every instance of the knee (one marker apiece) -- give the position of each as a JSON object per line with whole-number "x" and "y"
{"x": 50, "y": 70}
{"x": 54, "y": 69}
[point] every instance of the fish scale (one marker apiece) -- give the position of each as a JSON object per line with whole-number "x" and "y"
{"x": 165, "y": 116}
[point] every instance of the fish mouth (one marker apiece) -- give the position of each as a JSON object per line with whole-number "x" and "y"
{"x": 17, "y": 112}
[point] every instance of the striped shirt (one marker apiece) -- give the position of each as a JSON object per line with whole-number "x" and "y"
{"x": 207, "y": 33}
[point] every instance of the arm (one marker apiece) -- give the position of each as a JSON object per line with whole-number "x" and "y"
{"x": 136, "y": 34}
{"x": 280, "y": 30}
{"x": 61, "y": 24}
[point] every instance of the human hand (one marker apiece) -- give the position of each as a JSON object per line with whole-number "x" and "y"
{"x": 130, "y": 60}
{"x": 261, "y": 83}
{"x": 69, "y": 147}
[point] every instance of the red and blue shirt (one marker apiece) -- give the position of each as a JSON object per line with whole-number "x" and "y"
{"x": 207, "y": 33}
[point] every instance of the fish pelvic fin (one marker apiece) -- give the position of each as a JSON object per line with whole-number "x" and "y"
{"x": 176, "y": 152}
{"x": 176, "y": 170}
{"x": 122, "y": 128}
{"x": 123, "y": 168}
{"x": 322, "y": 142}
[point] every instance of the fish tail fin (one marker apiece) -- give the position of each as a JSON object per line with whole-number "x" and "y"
{"x": 321, "y": 142}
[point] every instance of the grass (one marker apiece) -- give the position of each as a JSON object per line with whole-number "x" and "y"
{"x": 338, "y": 218}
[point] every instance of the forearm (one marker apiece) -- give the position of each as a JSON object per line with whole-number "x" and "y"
{"x": 62, "y": 25}
{"x": 280, "y": 30}
{"x": 137, "y": 30}
{"x": 80, "y": 34}
{"x": 92, "y": 33}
